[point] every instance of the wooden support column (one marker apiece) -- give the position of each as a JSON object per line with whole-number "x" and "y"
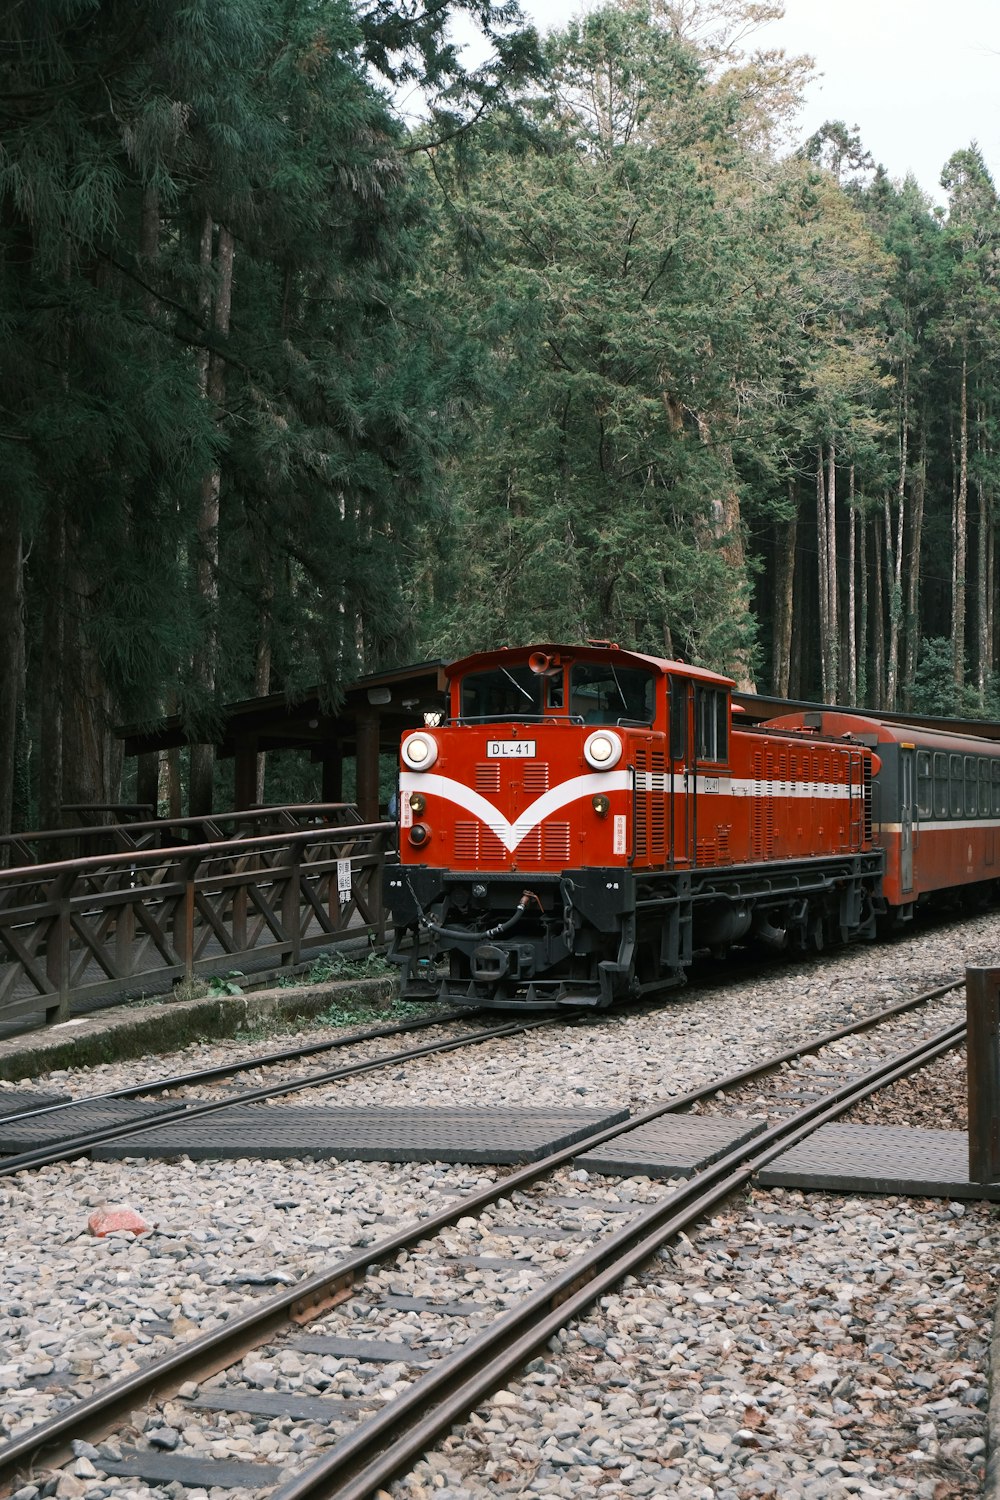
{"x": 147, "y": 779}
{"x": 245, "y": 791}
{"x": 982, "y": 1007}
{"x": 367, "y": 765}
{"x": 332, "y": 761}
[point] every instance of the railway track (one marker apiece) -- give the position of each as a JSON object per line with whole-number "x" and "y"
{"x": 468, "y": 1349}
{"x": 67, "y": 1144}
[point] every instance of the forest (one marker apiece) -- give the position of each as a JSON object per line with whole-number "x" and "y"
{"x": 330, "y": 345}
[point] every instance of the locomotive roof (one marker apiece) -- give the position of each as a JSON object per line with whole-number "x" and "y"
{"x": 591, "y": 651}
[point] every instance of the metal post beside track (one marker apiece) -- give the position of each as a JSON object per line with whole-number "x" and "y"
{"x": 982, "y": 1002}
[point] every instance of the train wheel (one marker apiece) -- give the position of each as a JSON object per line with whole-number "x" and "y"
{"x": 816, "y": 933}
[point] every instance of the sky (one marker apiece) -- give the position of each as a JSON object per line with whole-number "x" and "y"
{"x": 920, "y": 78}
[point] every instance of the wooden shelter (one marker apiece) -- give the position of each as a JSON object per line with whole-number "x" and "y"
{"x": 375, "y": 712}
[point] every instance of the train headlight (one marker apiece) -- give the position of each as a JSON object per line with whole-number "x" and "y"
{"x": 419, "y": 751}
{"x": 603, "y": 750}
{"x": 417, "y": 803}
{"x": 601, "y": 805}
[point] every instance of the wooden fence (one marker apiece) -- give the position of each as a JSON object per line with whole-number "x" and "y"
{"x": 110, "y": 925}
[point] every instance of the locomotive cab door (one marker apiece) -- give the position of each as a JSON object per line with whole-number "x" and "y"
{"x": 906, "y": 799}
{"x": 682, "y": 814}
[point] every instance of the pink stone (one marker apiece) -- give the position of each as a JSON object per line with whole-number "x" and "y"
{"x": 115, "y": 1216}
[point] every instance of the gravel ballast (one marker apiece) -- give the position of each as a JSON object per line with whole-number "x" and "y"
{"x": 797, "y": 1345}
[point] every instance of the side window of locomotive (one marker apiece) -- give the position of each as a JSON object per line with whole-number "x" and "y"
{"x": 996, "y": 787}
{"x": 971, "y": 790}
{"x": 984, "y": 787}
{"x": 955, "y": 767}
{"x": 606, "y": 694}
{"x": 678, "y": 720}
{"x": 940, "y": 784}
{"x": 503, "y": 693}
{"x": 924, "y": 783}
{"x": 712, "y": 720}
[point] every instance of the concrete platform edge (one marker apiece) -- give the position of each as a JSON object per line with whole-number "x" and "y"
{"x": 125, "y": 1031}
{"x": 991, "y": 1481}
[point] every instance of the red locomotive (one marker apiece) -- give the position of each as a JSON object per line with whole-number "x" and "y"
{"x": 586, "y": 817}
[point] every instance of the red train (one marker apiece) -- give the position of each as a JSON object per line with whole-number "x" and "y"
{"x": 586, "y": 817}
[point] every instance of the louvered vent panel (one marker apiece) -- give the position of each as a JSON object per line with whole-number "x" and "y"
{"x": 658, "y": 808}
{"x": 467, "y": 841}
{"x": 722, "y": 843}
{"x": 555, "y": 842}
{"x": 642, "y": 800}
{"x": 488, "y": 776}
{"x": 491, "y": 849}
{"x": 756, "y": 809}
{"x": 530, "y": 847}
{"x": 706, "y": 852}
{"x": 536, "y": 777}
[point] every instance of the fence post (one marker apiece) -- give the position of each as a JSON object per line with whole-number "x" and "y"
{"x": 57, "y": 955}
{"x": 982, "y": 1006}
{"x": 291, "y": 905}
{"x": 184, "y": 916}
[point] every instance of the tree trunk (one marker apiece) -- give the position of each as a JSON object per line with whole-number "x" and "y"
{"x": 784, "y": 596}
{"x": 833, "y": 607}
{"x": 913, "y": 574}
{"x": 823, "y": 572}
{"x": 878, "y": 624}
{"x": 11, "y": 653}
{"x": 51, "y": 668}
{"x": 852, "y": 623}
{"x": 863, "y": 612}
{"x": 959, "y": 522}
{"x": 983, "y": 663}
{"x": 213, "y": 376}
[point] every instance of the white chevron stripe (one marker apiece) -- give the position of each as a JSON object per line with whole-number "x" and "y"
{"x": 511, "y": 834}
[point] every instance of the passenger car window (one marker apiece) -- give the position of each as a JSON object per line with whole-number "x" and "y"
{"x": 955, "y": 766}
{"x": 940, "y": 784}
{"x": 924, "y": 784}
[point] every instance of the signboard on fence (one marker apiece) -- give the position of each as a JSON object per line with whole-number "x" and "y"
{"x": 344, "y": 880}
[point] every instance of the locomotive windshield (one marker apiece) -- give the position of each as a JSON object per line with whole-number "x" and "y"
{"x": 502, "y": 693}
{"x": 603, "y": 693}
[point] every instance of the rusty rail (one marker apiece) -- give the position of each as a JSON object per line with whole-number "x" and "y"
{"x": 97, "y": 927}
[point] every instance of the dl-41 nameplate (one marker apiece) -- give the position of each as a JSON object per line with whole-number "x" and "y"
{"x": 501, "y": 749}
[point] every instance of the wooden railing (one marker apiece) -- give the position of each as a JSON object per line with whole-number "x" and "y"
{"x": 20, "y": 849}
{"x": 99, "y": 927}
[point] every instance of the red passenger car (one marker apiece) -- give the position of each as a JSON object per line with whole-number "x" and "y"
{"x": 586, "y": 817}
{"x": 936, "y": 808}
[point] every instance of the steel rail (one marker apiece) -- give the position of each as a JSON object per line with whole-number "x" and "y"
{"x": 221, "y": 1347}
{"x": 384, "y": 1446}
{"x": 66, "y": 1150}
{"x": 243, "y": 1065}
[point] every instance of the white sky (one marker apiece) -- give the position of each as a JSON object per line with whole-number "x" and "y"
{"x": 920, "y": 78}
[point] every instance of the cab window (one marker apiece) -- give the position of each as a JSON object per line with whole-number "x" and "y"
{"x": 601, "y": 693}
{"x": 678, "y": 721}
{"x": 712, "y": 720}
{"x": 502, "y": 693}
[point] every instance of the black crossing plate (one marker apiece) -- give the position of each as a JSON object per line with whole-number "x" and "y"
{"x": 500, "y": 1136}
{"x": 16, "y": 1101}
{"x": 78, "y": 1119}
{"x": 673, "y": 1146}
{"x": 893, "y": 1159}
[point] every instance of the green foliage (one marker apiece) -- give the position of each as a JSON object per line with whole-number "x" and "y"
{"x": 227, "y": 984}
